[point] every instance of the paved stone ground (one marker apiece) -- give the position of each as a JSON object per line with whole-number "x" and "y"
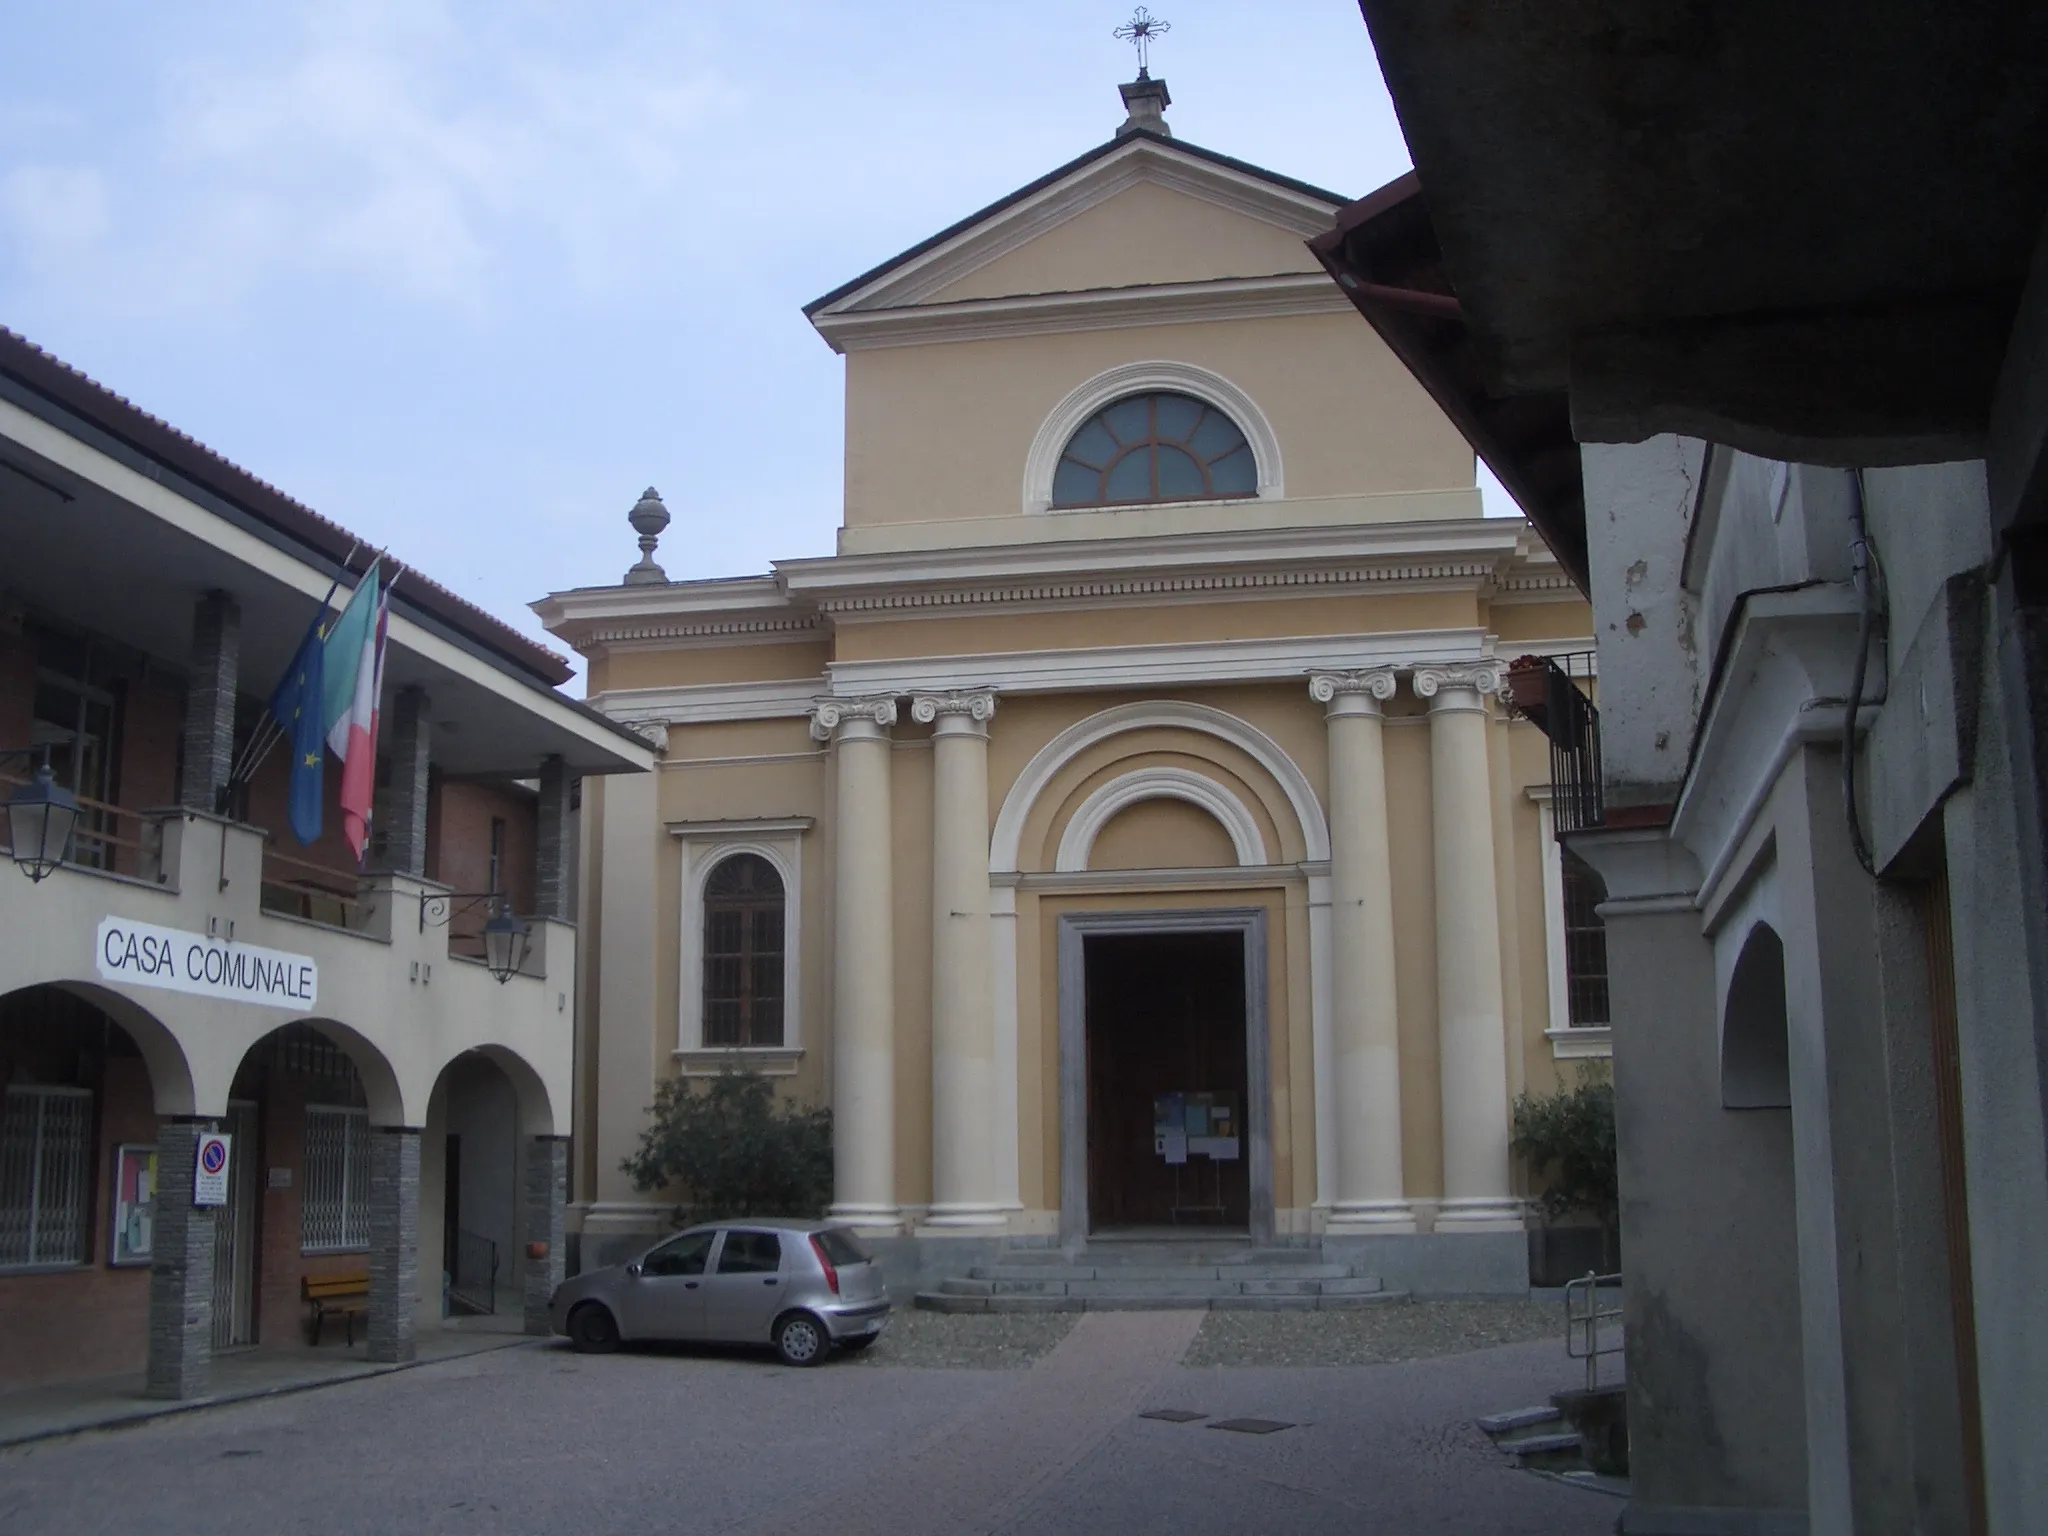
{"x": 534, "y": 1439}
{"x": 1410, "y": 1330}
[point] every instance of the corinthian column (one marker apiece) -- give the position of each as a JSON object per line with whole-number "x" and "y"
{"x": 1368, "y": 1193}
{"x": 1471, "y": 1016}
{"x": 964, "y": 1192}
{"x": 863, "y": 966}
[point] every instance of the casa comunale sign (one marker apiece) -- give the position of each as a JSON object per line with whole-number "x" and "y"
{"x": 144, "y": 955}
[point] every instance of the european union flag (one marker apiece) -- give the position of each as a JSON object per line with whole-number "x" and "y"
{"x": 298, "y": 707}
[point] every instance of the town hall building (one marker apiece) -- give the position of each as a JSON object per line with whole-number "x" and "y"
{"x": 1123, "y": 832}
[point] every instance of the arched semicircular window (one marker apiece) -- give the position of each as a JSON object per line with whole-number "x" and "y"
{"x": 743, "y": 926}
{"x": 1161, "y": 446}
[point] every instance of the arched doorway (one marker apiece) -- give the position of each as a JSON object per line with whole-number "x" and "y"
{"x": 305, "y": 1100}
{"x": 80, "y": 1093}
{"x": 489, "y": 1190}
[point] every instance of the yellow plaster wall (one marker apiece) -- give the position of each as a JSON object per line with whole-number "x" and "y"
{"x": 1147, "y": 233}
{"x": 941, "y": 431}
{"x": 1140, "y": 623}
{"x": 1570, "y": 620}
{"x": 1162, "y": 834}
{"x": 679, "y": 666}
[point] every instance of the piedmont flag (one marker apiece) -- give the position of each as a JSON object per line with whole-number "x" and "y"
{"x": 354, "y": 736}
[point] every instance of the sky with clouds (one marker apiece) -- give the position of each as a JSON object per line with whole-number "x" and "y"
{"x": 465, "y": 277}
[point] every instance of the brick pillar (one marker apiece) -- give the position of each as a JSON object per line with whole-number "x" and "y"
{"x": 394, "y": 1241}
{"x": 554, "y": 845}
{"x": 210, "y": 702}
{"x": 547, "y": 1190}
{"x": 405, "y": 841}
{"x": 180, "y": 1270}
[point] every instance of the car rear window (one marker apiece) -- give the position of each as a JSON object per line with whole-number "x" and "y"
{"x": 840, "y": 1247}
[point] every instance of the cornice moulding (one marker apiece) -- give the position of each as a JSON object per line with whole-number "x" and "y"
{"x": 1035, "y": 314}
{"x": 711, "y": 703}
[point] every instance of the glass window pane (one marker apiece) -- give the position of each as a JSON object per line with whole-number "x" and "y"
{"x": 1076, "y": 485}
{"x": 1177, "y": 417}
{"x": 1216, "y": 436}
{"x": 1234, "y": 474}
{"x": 1092, "y": 445}
{"x": 841, "y": 1247}
{"x": 683, "y": 1255}
{"x": 750, "y": 1253}
{"x": 1179, "y": 475}
{"x": 1131, "y": 480}
{"x": 1130, "y": 420}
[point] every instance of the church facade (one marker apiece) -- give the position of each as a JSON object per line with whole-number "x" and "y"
{"x": 1124, "y": 830}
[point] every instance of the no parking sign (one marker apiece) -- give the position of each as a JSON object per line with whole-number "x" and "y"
{"x": 210, "y": 1170}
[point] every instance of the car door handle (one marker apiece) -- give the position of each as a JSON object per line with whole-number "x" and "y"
{"x": 689, "y": 1285}
{"x": 772, "y": 1280}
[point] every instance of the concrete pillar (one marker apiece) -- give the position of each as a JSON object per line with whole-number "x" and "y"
{"x": 1717, "y": 1424}
{"x": 630, "y": 1044}
{"x": 964, "y": 1066}
{"x": 554, "y": 855}
{"x": 210, "y": 702}
{"x": 1369, "y": 1195}
{"x": 1471, "y": 1020}
{"x": 405, "y": 835}
{"x": 864, "y": 966}
{"x": 394, "y": 1241}
{"x": 546, "y": 1193}
{"x": 180, "y": 1268}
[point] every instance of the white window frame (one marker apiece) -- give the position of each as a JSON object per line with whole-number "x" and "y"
{"x": 351, "y": 1241}
{"x": 1568, "y": 1041}
{"x": 84, "y": 1180}
{"x": 1106, "y": 388}
{"x": 705, "y": 845}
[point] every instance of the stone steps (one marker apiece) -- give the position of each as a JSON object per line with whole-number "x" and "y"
{"x": 1536, "y": 1437}
{"x": 1148, "y": 1279}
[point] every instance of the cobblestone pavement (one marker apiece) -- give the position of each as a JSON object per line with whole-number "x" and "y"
{"x": 1373, "y": 1335}
{"x": 951, "y": 1340}
{"x": 537, "y": 1440}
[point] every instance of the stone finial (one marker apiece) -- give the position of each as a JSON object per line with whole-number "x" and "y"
{"x": 1145, "y": 103}
{"x": 648, "y": 518}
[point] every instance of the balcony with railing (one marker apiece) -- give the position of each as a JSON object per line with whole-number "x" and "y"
{"x": 1551, "y": 692}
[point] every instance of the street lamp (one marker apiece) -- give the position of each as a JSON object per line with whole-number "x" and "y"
{"x": 506, "y": 937}
{"x": 505, "y": 941}
{"x": 40, "y": 818}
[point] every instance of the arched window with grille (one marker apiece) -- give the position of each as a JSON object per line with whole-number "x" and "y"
{"x": 1158, "y": 446}
{"x": 745, "y": 908}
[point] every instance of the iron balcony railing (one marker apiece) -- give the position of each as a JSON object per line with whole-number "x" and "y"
{"x": 1546, "y": 690}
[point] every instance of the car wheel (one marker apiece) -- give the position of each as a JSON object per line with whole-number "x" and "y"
{"x": 592, "y": 1330}
{"x": 800, "y": 1339}
{"x": 855, "y": 1346}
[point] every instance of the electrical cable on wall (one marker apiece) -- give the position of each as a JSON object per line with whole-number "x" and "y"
{"x": 1867, "y": 572}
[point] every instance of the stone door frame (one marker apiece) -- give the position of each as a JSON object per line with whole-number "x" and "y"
{"x": 1075, "y": 927}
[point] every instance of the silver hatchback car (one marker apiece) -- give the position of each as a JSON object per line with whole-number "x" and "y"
{"x": 801, "y": 1286}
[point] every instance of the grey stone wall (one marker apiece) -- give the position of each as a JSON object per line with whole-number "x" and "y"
{"x": 547, "y": 1192}
{"x": 555, "y": 844}
{"x": 394, "y": 1241}
{"x": 412, "y": 719}
{"x": 180, "y": 1270}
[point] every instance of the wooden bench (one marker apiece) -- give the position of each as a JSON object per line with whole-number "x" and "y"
{"x": 345, "y": 1295}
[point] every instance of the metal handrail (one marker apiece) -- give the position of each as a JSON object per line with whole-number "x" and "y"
{"x": 1583, "y": 1316}
{"x": 473, "y": 1276}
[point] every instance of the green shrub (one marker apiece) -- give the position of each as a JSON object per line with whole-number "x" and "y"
{"x": 734, "y": 1149}
{"x": 1569, "y": 1135}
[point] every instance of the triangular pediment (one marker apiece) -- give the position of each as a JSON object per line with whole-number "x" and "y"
{"x": 1138, "y": 211}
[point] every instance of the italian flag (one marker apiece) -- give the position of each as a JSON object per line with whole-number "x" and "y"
{"x": 355, "y": 661}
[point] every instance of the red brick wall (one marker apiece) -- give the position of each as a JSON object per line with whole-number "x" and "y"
{"x": 459, "y": 816}
{"x": 17, "y": 691}
{"x": 75, "y": 1324}
{"x": 280, "y": 1314}
{"x": 152, "y": 719}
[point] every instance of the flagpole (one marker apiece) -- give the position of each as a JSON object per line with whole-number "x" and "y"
{"x": 268, "y": 733}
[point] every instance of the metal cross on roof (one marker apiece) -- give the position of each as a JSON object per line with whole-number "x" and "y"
{"x": 1139, "y": 32}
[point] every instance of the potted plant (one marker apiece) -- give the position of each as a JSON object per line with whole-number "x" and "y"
{"x": 1527, "y": 685}
{"x": 1567, "y": 1136}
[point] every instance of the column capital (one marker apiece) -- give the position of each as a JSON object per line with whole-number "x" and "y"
{"x": 1352, "y": 693}
{"x": 973, "y": 704}
{"x": 1457, "y": 685}
{"x": 830, "y": 716}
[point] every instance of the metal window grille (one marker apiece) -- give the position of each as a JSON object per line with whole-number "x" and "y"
{"x": 1585, "y": 942}
{"x": 45, "y": 1176}
{"x": 335, "y": 1216}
